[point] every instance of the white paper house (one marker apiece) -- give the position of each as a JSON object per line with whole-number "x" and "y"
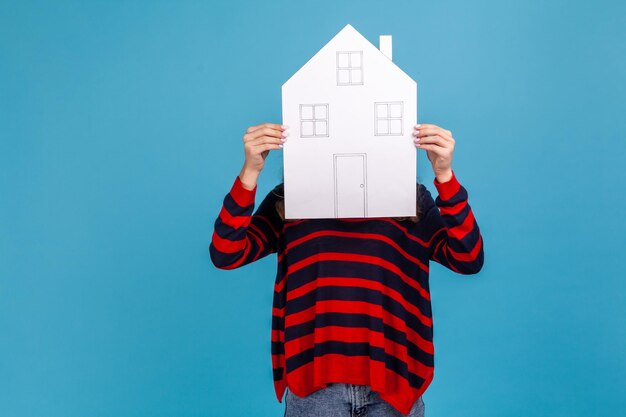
{"x": 350, "y": 152}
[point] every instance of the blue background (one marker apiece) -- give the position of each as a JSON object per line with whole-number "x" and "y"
{"x": 120, "y": 134}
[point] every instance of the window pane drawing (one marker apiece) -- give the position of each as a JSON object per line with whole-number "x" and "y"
{"x": 388, "y": 118}
{"x": 313, "y": 120}
{"x": 350, "y": 68}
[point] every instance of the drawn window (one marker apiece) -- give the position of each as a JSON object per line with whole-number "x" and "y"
{"x": 350, "y": 68}
{"x": 388, "y": 118}
{"x": 313, "y": 120}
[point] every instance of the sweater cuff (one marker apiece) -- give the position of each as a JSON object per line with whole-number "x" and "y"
{"x": 242, "y": 196}
{"x": 447, "y": 189}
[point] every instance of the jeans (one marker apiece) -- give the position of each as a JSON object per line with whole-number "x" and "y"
{"x": 344, "y": 400}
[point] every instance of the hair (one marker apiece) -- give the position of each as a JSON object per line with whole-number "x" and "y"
{"x": 280, "y": 206}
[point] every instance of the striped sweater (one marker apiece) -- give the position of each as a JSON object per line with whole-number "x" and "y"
{"x": 351, "y": 296}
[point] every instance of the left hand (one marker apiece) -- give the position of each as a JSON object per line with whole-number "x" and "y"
{"x": 439, "y": 145}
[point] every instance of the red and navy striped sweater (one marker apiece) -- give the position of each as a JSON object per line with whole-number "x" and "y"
{"x": 351, "y": 296}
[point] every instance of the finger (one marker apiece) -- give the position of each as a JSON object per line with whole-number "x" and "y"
{"x": 436, "y": 139}
{"x": 267, "y": 139}
{"x": 428, "y": 129}
{"x": 264, "y": 131}
{"x": 440, "y": 151}
{"x": 430, "y": 126}
{"x": 262, "y": 125}
{"x": 423, "y": 126}
{"x": 419, "y": 133}
{"x": 268, "y": 147}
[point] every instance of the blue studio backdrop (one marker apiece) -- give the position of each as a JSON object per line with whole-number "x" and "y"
{"x": 120, "y": 134}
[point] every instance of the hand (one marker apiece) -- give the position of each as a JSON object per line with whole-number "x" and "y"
{"x": 439, "y": 146}
{"x": 257, "y": 142}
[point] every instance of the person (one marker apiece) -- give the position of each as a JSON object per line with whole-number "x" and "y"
{"x": 351, "y": 317}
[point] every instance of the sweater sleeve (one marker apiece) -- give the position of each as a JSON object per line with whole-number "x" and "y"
{"x": 240, "y": 237}
{"x": 456, "y": 241}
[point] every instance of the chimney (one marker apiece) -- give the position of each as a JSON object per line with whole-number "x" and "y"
{"x": 385, "y": 45}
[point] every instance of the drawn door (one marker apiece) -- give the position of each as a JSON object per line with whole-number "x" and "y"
{"x": 350, "y": 185}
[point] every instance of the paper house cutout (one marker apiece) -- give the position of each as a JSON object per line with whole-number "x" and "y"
{"x": 350, "y": 152}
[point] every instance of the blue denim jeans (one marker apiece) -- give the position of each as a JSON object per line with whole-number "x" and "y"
{"x": 344, "y": 400}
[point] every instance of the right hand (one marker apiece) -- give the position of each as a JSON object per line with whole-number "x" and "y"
{"x": 258, "y": 141}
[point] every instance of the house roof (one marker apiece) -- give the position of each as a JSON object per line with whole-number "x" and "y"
{"x": 347, "y": 32}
